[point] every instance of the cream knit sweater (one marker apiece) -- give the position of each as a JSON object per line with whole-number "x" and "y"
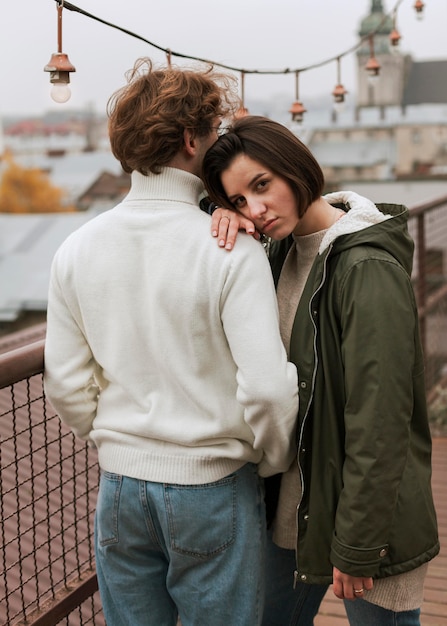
{"x": 162, "y": 349}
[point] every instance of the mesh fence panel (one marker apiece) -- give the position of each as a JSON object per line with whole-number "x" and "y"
{"x": 48, "y": 492}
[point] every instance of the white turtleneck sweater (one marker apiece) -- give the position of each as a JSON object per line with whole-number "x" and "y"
{"x": 162, "y": 349}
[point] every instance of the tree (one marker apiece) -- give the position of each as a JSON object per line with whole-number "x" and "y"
{"x": 29, "y": 190}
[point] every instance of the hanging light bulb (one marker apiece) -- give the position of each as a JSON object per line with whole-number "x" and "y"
{"x": 395, "y": 36}
{"x": 169, "y": 58}
{"x": 60, "y": 93}
{"x": 297, "y": 109}
{"x": 339, "y": 91}
{"x": 339, "y": 98}
{"x": 372, "y": 66}
{"x": 419, "y": 8}
{"x": 59, "y": 66}
{"x": 242, "y": 111}
{"x": 373, "y": 69}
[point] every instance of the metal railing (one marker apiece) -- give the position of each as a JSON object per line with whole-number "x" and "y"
{"x": 48, "y": 479}
{"x": 48, "y": 493}
{"x": 428, "y": 226}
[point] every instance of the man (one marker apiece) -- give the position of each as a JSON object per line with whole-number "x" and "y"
{"x": 148, "y": 358}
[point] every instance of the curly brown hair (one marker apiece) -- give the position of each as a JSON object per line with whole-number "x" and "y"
{"x": 147, "y": 117}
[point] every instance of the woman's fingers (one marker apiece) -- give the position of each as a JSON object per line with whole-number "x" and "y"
{"x": 350, "y": 587}
{"x": 225, "y": 225}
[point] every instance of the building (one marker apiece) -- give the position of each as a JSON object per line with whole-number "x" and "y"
{"x": 95, "y": 182}
{"x": 397, "y": 129}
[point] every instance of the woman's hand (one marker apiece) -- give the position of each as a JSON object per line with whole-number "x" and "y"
{"x": 226, "y": 224}
{"x": 350, "y": 587}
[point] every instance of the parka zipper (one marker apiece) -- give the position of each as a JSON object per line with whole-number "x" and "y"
{"x": 314, "y": 374}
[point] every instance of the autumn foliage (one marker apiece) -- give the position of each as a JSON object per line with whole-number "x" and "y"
{"x": 28, "y": 190}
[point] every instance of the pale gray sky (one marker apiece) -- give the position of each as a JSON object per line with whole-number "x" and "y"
{"x": 251, "y": 34}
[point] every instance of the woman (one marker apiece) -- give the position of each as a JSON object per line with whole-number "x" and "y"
{"x": 356, "y": 506}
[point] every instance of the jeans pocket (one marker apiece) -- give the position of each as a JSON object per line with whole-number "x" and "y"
{"x": 107, "y": 508}
{"x": 202, "y": 518}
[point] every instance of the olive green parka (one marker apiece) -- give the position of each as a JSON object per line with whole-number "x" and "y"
{"x": 364, "y": 445}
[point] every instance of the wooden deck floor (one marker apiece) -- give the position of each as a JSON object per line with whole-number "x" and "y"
{"x": 434, "y": 608}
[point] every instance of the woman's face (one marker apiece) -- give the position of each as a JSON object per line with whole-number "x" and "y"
{"x": 262, "y": 196}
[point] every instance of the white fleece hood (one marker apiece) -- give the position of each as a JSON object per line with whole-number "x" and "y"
{"x": 362, "y": 214}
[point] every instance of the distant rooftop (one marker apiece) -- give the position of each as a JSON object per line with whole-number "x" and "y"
{"x": 27, "y": 246}
{"x": 427, "y": 83}
{"x": 354, "y": 154}
{"x": 74, "y": 172}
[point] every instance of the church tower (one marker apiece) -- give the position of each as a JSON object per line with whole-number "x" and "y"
{"x": 387, "y": 89}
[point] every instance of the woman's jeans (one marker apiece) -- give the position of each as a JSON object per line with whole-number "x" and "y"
{"x": 363, "y": 613}
{"x": 284, "y": 605}
{"x": 196, "y": 551}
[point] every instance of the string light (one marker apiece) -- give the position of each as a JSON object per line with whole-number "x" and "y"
{"x": 339, "y": 91}
{"x": 169, "y": 58}
{"x": 59, "y": 66}
{"x": 242, "y": 111}
{"x": 395, "y": 36}
{"x": 419, "y": 8}
{"x": 297, "y": 109}
{"x": 372, "y": 66}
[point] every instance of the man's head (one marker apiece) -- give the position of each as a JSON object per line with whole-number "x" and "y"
{"x": 156, "y": 116}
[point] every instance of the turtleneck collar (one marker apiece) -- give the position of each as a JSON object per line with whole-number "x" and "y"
{"x": 307, "y": 245}
{"x": 171, "y": 184}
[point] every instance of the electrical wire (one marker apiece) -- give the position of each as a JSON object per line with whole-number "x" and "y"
{"x": 168, "y": 51}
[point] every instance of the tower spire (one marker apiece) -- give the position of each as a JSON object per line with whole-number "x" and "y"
{"x": 376, "y": 6}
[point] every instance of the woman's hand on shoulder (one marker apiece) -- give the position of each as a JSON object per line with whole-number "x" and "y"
{"x": 225, "y": 225}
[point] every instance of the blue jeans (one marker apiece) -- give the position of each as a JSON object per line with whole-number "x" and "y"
{"x": 196, "y": 551}
{"x": 284, "y": 605}
{"x": 363, "y": 613}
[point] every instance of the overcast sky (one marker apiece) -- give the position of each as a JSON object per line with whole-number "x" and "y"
{"x": 249, "y": 34}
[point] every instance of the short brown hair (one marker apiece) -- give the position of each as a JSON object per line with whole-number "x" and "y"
{"x": 147, "y": 116}
{"x": 274, "y": 146}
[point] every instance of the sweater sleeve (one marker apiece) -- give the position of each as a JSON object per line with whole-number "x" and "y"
{"x": 71, "y": 374}
{"x": 267, "y": 382}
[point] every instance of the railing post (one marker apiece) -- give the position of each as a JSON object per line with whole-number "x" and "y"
{"x": 421, "y": 277}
